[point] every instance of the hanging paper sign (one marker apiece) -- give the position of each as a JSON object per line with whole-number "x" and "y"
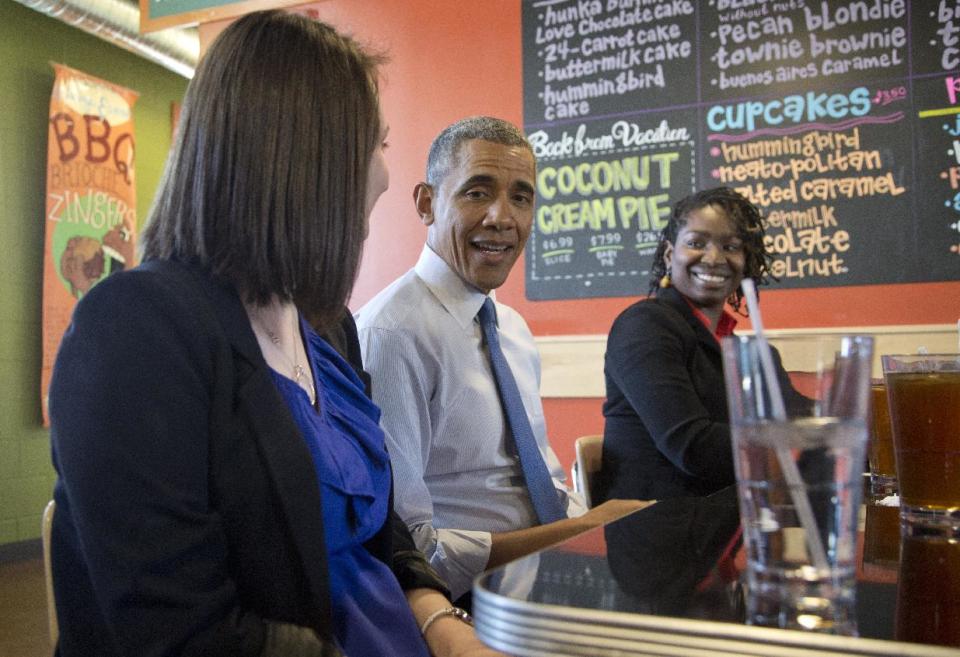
{"x": 91, "y": 198}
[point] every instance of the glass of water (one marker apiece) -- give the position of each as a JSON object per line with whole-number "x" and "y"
{"x": 799, "y": 442}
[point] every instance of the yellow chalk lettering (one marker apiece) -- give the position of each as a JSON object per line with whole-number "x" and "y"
{"x": 664, "y": 160}
{"x": 584, "y": 188}
{"x": 566, "y": 180}
{"x": 545, "y": 183}
{"x": 545, "y": 220}
{"x": 627, "y": 207}
{"x": 602, "y": 177}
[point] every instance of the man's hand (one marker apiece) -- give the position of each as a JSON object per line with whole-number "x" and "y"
{"x": 507, "y": 546}
{"x": 611, "y": 510}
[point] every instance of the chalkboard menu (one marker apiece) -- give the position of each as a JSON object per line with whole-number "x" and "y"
{"x": 839, "y": 120}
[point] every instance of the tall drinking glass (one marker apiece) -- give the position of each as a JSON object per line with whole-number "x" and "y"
{"x": 799, "y": 464}
{"x": 881, "y": 536}
{"x": 883, "y": 469}
{"x": 924, "y": 395}
{"x": 928, "y": 607}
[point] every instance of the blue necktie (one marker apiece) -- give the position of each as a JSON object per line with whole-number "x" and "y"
{"x": 543, "y": 494}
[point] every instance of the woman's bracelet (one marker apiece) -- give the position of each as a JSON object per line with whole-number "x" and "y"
{"x": 456, "y": 612}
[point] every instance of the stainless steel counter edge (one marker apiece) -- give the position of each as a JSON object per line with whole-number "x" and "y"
{"x": 529, "y": 629}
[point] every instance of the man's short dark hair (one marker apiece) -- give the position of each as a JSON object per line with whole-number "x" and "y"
{"x": 266, "y": 182}
{"x": 446, "y": 147}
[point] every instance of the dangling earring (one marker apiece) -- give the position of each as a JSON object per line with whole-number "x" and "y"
{"x": 665, "y": 281}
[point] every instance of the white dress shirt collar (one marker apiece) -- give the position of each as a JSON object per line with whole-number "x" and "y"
{"x": 458, "y": 297}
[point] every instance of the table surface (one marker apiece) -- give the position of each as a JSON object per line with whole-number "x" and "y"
{"x": 665, "y": 581}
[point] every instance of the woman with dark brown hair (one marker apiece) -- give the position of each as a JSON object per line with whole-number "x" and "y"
{"x": 224, "y": 488}
{"x": 666, "y": 432}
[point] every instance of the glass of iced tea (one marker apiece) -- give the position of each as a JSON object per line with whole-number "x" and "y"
{"x": 928, "y": 609}
{"x": 881, "y": 535}
{"x": 883, "y": 469}
{"x": 923, "y": 392}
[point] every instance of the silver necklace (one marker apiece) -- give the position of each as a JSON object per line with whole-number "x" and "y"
{"x": 300, "y": 376}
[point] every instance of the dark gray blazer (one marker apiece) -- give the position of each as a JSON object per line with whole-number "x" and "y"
{"x": 666, "y": 431}
{"x": 188, "y": 508}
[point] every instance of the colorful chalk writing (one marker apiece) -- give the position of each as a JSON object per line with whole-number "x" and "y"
{"x": 840, "y": 119}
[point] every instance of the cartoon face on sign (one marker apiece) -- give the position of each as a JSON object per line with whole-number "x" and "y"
{"x": 88, "y": 247}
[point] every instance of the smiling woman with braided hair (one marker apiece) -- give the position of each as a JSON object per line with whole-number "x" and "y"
{"x": 666, "y": 432}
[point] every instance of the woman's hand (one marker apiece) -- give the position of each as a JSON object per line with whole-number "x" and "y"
{"x": 479, "y": 651}
{"x": 447, "y": 636}
{"x": 459, "y": 642}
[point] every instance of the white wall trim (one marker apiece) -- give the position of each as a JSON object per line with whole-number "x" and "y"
{"x": 573, "y": 364}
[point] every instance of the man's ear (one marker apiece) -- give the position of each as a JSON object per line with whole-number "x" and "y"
{"x": 423, "y": 199}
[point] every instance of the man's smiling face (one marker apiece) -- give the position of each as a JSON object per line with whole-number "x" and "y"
{"x": 480, "y": 214}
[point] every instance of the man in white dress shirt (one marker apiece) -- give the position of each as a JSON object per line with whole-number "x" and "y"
{"x": 457, "y": 480}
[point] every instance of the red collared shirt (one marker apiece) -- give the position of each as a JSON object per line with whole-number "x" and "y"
{"x": 724, "y": 327}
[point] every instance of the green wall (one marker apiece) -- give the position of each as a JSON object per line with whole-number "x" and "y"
{"x": 28, "y": 42}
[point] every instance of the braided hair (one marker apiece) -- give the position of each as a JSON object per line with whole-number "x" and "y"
{"x": 750, "y": 227}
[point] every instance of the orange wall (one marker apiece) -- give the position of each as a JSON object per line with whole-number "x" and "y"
{"x": 453, "y": 59}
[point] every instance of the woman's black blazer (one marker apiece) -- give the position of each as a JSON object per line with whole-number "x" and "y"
{"x": 666, "y": 431}
{"x": 188, "y": 509}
